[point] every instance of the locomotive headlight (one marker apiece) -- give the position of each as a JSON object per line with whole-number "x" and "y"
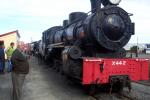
{"x": 115, "y": 2}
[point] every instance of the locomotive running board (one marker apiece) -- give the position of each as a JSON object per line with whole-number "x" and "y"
{"x": 99, "y": 70}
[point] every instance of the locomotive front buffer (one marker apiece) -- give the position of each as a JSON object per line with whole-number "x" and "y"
{"x": 117, "y": 73}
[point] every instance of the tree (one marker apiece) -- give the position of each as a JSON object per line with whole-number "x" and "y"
{"x": 134, "y": 49}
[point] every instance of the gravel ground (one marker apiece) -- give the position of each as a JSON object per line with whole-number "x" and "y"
{"x": 43, "y": 83}
{"x": 142, "y": 92}
{"x": 5, "y": 87}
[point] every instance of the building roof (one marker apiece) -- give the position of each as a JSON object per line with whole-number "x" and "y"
{"x": 16, "y": 31}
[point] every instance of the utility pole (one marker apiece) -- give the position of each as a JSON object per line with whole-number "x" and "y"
{"x": 31, "y": 40}
{"x": 137, "y": 47}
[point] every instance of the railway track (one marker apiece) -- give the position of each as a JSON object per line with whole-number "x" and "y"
{"x": 114, "y": 96}
{"x": 125, "y": 95}
{"x": 147, "y": 83}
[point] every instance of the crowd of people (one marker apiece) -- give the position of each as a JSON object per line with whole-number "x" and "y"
{"x": 16, "y": 63}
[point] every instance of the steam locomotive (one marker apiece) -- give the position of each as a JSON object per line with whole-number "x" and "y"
{"x": 89, "y": 47}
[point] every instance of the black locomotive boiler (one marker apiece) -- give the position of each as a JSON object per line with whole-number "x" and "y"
{"x": 101, "y": 34}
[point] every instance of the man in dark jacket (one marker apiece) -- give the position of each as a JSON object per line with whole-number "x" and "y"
{"x": 20, "y": 69}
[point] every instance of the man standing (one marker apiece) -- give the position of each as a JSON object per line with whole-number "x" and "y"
{"x": 20, "y": 69}
{"x": 10, "y": 50}
{"x": 2, "y": 59}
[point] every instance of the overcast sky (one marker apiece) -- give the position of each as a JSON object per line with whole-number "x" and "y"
{"x": 32, "y": 17}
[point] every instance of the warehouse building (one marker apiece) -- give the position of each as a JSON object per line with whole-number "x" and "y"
{"x": 9, "y": 37}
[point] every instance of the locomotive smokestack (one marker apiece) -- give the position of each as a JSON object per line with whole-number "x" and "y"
{"x": 95, "y": 4}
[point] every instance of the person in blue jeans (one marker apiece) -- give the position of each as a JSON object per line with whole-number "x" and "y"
{"x": 2, "y": 59}
{"x": 9, "y": 52}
